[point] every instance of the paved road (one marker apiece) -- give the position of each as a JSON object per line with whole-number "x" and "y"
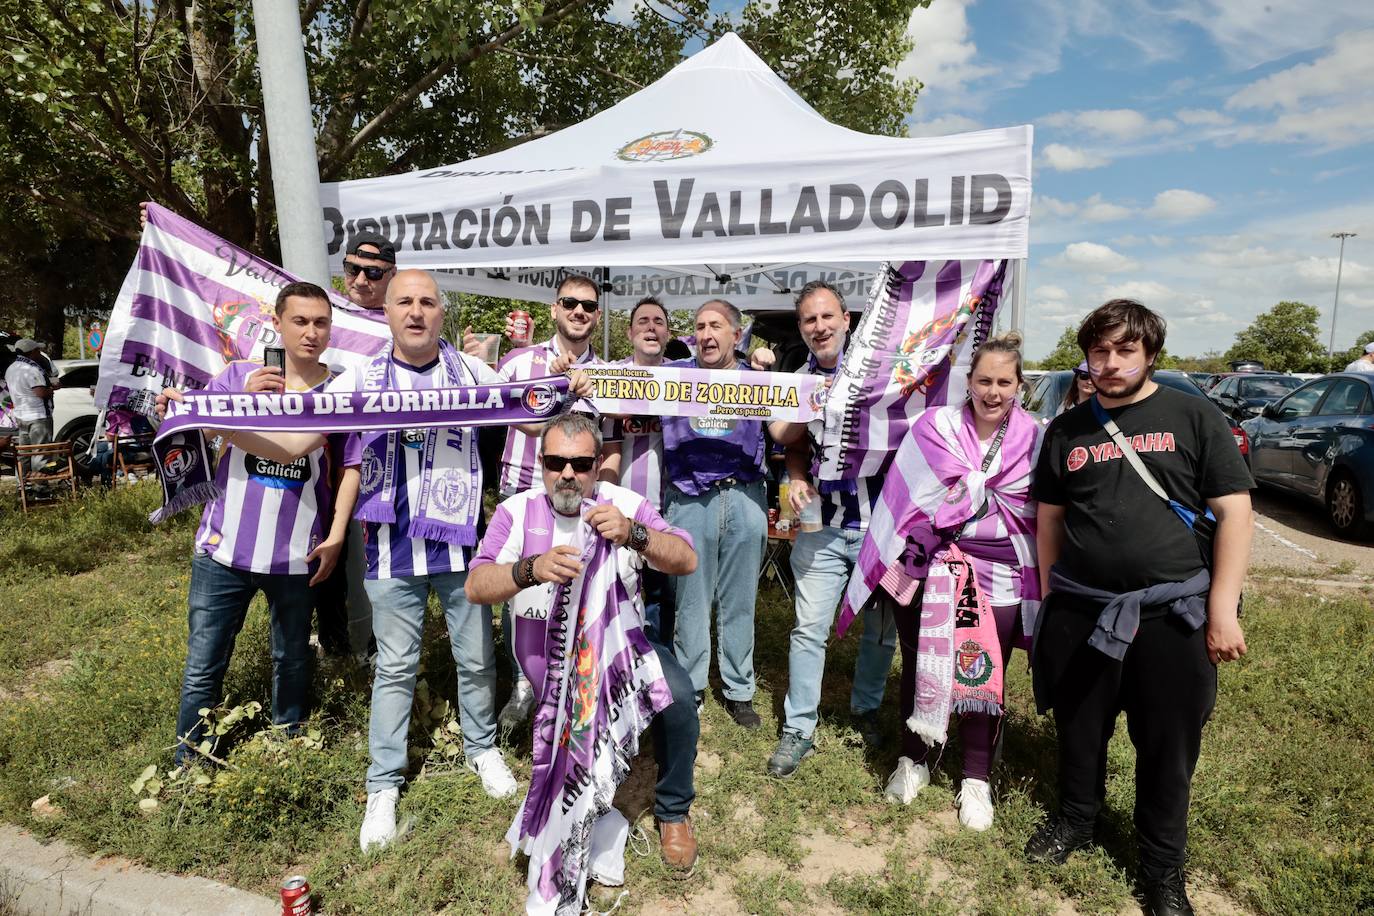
{"x": 1291, "y": 532}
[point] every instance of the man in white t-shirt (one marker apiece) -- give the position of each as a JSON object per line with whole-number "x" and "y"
{"x": 532, "y": 544}
{"x": 31, "y": 391}
{"x": 1365, "y": 363}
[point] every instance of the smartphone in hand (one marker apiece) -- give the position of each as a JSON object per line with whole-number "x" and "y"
{"x": 274, "y": 358}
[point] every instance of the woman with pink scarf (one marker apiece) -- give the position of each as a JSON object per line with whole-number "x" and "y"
{"x": 953, "y": 540}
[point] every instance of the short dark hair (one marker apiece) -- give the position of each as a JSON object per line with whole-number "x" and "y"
{"x": 1123, "y": 319}
{"x": 302, "y": 289}
{"x": 648, "y": 300}
{"x": 816, "y": 286}
{"x": 577, "y": 280}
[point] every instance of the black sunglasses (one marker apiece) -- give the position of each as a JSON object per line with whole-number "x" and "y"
{"x": 372, "y": 273}
{"x": 1081, "y": 373}
{"x": 581, "y": 464}
{"x": 572, "y": 302}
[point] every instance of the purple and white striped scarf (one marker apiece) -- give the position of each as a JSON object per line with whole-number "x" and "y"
{"x": 910, "y": 350}
{"x": 936, "y": 484}
{"x": 602, "y": 687}
{"x": 450, "y": 487}
{"x": 191, "y": 303}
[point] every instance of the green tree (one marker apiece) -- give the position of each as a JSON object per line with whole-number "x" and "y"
{"x": 1285, "y": 338}
{"x": 1066, "y": 353}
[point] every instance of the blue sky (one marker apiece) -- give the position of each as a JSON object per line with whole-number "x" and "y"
{"x": 1195, "y": 156}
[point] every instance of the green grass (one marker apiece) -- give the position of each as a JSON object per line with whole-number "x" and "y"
{"x": 92, "y": 639}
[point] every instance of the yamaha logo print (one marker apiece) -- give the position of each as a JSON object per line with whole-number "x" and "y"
{"x": 540, "y": 399}
{"x": 665, "y": 145}
{"x": 1077, "y": 458}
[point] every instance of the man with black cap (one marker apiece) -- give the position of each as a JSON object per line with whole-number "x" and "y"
{"x": 368, "y": 267}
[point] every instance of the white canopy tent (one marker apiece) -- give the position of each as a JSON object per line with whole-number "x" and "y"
{"x": 718, "y": 175}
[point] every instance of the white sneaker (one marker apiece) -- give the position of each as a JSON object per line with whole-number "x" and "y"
{"x": 379, "y": 824}
{"x": 517, "y": 708}
{"x": 975, "y": 804}
{"x": 496, "y": 778}
{"x": 907, "y": 781}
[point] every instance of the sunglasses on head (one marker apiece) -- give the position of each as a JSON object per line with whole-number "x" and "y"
{"x": 372, "y": 273}
{"x": 581, "y": 464}
{"x": 572, "y": 302}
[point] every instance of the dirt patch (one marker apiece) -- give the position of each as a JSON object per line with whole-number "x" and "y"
{"x": 32, "y": 684}
{"x": 828, "y": 856}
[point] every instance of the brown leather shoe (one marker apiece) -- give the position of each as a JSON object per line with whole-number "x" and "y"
{"x": 679, "y": 847}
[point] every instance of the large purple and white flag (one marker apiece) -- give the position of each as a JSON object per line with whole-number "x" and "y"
{"x": 602, "y": 686}
{"x": 192, "y": 303}
{"x": 911, "y": 350}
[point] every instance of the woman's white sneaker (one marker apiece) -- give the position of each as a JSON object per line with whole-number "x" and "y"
{"x": 975, "y": 804}
{"x": 907, "y": 781}
{"x": 379, "y": 823}
{"x": 495, "y": 775}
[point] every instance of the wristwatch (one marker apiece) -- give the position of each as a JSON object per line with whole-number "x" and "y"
{"x": 639, "y": 537}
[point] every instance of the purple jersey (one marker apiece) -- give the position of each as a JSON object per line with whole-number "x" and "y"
{"x": 699, "y": 451}
{"x": 641, "y": 452}
{"x": 519, "y": 460}
{"x": 526, "y": 523}
{"x": 269, "y": 515}
{"x": 391, "y": 551}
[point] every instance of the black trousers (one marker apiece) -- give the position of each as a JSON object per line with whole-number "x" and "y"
{"x": 1167, "y": 687}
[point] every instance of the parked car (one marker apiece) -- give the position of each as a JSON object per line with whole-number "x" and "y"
{"x": 1318, "y": 441}
{"x": 1200, "y": 378}
{"x": 1216, "y": 378}
{"x": 1241, "y": 397}
{"x": 1043, "y": 399}
{"x": 73, "y": 407}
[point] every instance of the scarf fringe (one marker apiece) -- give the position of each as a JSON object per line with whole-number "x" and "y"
{"x": 375, "y": 510}
{"x": 186, "y": 498}
{"x": 930, "y": 734}
{"x": 434, "y": 530}
{"x": 971, "y": 705}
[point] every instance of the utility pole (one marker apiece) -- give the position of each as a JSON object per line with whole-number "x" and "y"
{"x": 291, "y": 131}
{"x": 1335, "y": 306}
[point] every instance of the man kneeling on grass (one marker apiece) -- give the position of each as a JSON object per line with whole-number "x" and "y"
{"x": 269, "y": 529}
{"x": 570, "y": 558}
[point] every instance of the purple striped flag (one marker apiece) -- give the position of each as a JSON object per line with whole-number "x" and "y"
{"x": 911, "y": 350}
{"x": 191, "y": 303}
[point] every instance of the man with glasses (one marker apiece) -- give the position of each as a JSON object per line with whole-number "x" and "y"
{"x": 532, "y": 544}
{"x": 575, "y": 310}
{"x": 368, "y": 267}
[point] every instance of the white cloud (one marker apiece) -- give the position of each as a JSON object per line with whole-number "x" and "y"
{"x": 942, "y": 125}
{"x": 1180, "y": 204}
{"x": 1062, "y": 158}
{"x": 1253, "y": 32}
{"x": 1333, "y": 127}
{"x": 1090, "y": 257}
{"x": 1097, "y": 210}
{"x": 1350, "y": 64}
{"x": 1053, "y": 205}
{"x": 1202, "y": 117}
{"x": 944, "y": 56}
{"x": 1354, "y": 275}
{"x": 1119, "y": 124}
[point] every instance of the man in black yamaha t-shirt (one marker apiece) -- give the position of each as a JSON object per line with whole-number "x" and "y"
{"x": 1139, "y": 611}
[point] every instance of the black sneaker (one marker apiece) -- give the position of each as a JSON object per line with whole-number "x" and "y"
{"x": 742, "y": 711}
{"x": 869, "y": 729}
{"x": 1055, "y": 840}
{"x": 1168, "y": 896}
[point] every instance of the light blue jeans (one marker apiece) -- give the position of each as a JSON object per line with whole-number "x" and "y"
{"x": 822, "y": 562}
{"x": 398, "y": 620}
{"x": 728, "y": 526}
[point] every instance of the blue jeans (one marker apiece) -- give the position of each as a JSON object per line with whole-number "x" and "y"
{"x": 675, "y": 732}
{"x": 398, "y": 622}
{"x": 218, "y": 602}
{"x": 659, "y": 613}
{"x": 822, "y": 562}
{"x": 728, "y": 526}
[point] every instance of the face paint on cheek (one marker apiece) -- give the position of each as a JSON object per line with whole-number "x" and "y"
{"x": 1130, "y": 373}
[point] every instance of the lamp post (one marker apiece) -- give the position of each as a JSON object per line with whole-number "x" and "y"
{"x": 1335, "y": 306}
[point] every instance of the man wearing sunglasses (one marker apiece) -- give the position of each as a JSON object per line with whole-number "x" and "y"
{"x": 534, "y": 542}
{"x": 368, "y": 268}
{"x": 575, "y": 310}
